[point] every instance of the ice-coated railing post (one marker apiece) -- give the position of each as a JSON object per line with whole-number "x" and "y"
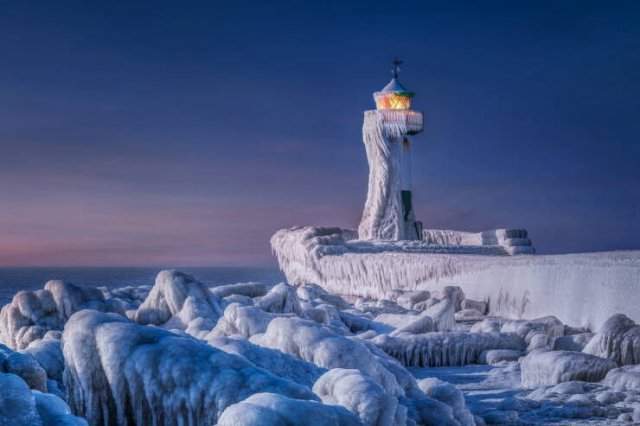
{"x": 388, "y": 212}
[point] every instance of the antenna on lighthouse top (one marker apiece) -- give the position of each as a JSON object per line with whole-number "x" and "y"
{"x": 396, "y": 67}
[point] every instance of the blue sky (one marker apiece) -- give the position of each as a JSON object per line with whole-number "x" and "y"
{"x": 185, "y": 133}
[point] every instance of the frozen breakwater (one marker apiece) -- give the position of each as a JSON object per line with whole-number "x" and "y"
{"x": 580, "y": 289}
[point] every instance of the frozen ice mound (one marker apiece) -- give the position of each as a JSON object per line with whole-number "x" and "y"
{"x": 319, "y": 345}
{"x": 21, "y": 406}
{"x": 278, "y": 363}
{"x": 450, "y": 395}
{"x": 618, "y": 339}
{"x": 121, "y": 373}
{"x": 31, "y": 314}
{"x": 625, "y": 378}
{"x": 263, "y": 409}
{"x": 541, "y": 368}
{"x": 441, "y": 349}
{"x": 176, "y": 300}
{"x": 241, "y": 320}
{"x": 360, "y": 395}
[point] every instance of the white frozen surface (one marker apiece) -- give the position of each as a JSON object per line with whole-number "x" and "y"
{"x": 540, "y": 368}
{"x": 618, "y": 339}
{"x": 176, "y": 299}
{"x": 264, "y": 409}
{"x": 441, "y": 349}
{"x": 360, "y": 395}
{"x": 265, "y": 347}
{"x": 580, "y": 289}
{"x": 118, "y": 372}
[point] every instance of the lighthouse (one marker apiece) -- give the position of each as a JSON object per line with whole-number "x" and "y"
{"x": 388, "y": 212}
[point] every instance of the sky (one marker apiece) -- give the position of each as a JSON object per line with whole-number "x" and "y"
{"x": 172, "y": 133}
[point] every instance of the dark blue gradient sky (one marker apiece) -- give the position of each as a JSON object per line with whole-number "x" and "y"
{"x": 186, "y": 133}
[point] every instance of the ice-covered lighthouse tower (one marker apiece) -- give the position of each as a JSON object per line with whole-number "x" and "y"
{"x": 388, "y": 212}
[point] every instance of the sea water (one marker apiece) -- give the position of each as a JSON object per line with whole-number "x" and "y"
{"x": 13, "y": 280}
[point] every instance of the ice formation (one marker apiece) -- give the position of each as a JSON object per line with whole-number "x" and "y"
{"x": 618, "y": 339}
{"x": 20, "y": 406}
{"x": 277, "y": 410}
{"x": 579, "y": 289}
{"x": 386, "y": 215}
{"x": 313, "y": 343}
{"x": 279, "y": 363}
{"x": 625, "y": 378}
{"x": 258, "y": 354}
{"x": 241, "y": 320}
{"x": 176, "y": 300}
{"x": 440, "y": 349}
{"x": 450, "y": 395}
{"x": 31, "y": 314}
{"x": 120, "y": 373}
{"x": 540, "y": 368}
{"x": 360, "y": 395}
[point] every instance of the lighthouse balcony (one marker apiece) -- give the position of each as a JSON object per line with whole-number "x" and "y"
{"x": 397, "y": 122}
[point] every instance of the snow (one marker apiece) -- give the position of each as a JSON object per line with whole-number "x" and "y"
{"x": 540, "y": 368}
{"x": 581, "y": 290}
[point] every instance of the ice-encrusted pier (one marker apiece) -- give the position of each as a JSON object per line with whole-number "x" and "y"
{"x": 580, "y": 289}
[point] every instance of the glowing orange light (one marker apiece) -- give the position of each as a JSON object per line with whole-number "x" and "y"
{"x": 393, "y": 101}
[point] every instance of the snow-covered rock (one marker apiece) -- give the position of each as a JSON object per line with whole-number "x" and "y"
{"x": 25, "y": 366}
{"x": 410, "y": 298}
{"x": 31, "y": 314}
{"x": 540, "y": 368}
{"x": 360, "y": 395}
{"x": 176, "y": 299}
{"x": 572, "y": 342}
{"x": 618, "y": 339}
{"x": 20, "y": 406}
{"x": 313, "y": 343}
{"x": 440, "y": 349}
{"x": 282, "y": 298}
{"x": 422, "y": 324}
{"x": 250, "y": 289}
{"x": 277, "y": 410}
{"x": 450, "y": 395}
{"x": 497, "y": 356}
{"x": 443, "y": 312}
{"x": 317, "y": 295}
{"x": 48, "y": 353}
{"x": 241, "y": 320}
{"x": 480, "y": 306}
{"x": 625, "y": 378}
{"x": 279, "y": 363}
{"x": 466, "y": 315}
{"x": 121, "y": 373}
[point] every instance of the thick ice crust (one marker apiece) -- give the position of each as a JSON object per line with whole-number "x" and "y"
{"x": 542, "y": 368}
{"x": 120, "y": 373}
{"x": 580, "y": 289}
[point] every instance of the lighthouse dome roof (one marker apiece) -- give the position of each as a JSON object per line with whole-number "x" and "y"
{"x": 393, "y": 86}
